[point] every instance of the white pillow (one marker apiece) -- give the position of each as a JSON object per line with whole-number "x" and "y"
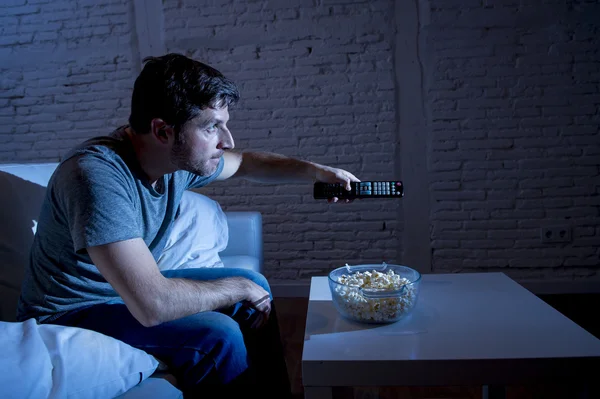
{"x": 199, "y": 233}
{"x": 51, "y": 361}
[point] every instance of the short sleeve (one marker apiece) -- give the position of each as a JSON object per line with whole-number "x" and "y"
{"x": 197, "y": 181}
{"x": 97, "y": 200}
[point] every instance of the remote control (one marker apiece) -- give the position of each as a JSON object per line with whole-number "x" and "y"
{"x": 363, "y": 189}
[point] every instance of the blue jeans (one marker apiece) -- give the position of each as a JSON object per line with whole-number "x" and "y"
{"x": 204, "y": 349}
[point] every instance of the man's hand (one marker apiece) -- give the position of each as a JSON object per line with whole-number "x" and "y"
{"x": 327, "y": 174}
{"x": 260, "y": 300}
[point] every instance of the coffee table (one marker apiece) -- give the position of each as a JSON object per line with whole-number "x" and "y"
{"x": 467, "y": 329}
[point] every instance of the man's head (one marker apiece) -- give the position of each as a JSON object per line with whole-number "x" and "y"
{"x": 187, "y": 103}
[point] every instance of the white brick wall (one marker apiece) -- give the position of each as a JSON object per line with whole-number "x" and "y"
{"x": 514, "y": 102}
{"x": 511, "y": 113}
{"x": 66, "y": 74}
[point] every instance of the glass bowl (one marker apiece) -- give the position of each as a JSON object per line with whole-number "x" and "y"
{"x": 356, "y": 301}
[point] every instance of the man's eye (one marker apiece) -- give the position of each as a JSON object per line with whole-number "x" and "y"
{"x": 212, "y": 128}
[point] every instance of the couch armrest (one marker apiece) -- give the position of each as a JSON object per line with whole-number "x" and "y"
{"x": 245, "y": 235}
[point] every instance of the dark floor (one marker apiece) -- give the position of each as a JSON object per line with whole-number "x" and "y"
{"x": 583, "y": 309}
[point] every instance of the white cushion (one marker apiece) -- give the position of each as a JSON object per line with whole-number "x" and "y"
{"x": 198, "y": 234}
{"x": 50, "y": 361}
{"x": 241, "y": 262}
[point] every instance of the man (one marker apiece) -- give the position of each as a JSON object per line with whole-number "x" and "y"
{"x": 107, "y": 214}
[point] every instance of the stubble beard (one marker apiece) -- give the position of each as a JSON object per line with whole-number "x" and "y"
{"x": 181, "y": 157}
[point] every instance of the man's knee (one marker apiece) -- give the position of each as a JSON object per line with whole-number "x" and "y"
{"x": 216, "y": 351}
{"x": 220, "y": 329}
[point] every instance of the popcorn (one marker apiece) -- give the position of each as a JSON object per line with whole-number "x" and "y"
{"x": 375, "y": 307}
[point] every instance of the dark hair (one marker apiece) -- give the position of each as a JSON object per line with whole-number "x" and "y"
{"x": 175, "y": 88}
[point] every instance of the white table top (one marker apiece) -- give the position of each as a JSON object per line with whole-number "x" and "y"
{"x": 478, "y": 319}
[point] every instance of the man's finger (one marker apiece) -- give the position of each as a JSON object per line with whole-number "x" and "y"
{"x": 265, "y": 306}
{"x": 260, "y": 301}
{"x": 264, "y": 315}
{"x": 353, "y": 178}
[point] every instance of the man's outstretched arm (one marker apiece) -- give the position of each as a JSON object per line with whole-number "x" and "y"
{"x": 268, "y": 167}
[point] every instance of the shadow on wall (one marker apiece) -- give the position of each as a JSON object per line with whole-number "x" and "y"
{"x": 21, "y": 201}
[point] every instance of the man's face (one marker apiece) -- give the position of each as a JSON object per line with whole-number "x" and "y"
{"x": 202, "y": 141}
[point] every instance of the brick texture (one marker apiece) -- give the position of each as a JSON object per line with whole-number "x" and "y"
{"x": 514, "y": 99}
{"x": 66, "y": 74}
{"x": 512, "y": 113}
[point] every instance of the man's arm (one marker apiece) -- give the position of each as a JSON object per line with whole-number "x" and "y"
{"x": 267, "y": 167}
{"x": 153, "y": 299}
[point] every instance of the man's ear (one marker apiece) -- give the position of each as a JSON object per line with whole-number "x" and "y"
{"x": 161, "y": 131}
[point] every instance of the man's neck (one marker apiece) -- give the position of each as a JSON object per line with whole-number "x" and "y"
{"x": 148, "y": 158}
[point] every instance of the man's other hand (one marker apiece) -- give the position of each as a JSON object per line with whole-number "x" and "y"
{"x": 260, "y": 300}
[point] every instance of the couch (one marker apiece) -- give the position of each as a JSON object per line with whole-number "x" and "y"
{"x": 52, "y": 349}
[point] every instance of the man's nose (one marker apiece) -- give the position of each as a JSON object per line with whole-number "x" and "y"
{"x": 226, "y": 142}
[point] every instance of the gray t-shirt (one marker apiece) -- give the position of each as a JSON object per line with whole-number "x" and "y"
{"x": 97, "y": 195}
